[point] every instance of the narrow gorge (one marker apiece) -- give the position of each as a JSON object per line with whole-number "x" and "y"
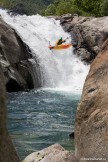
{"x": 47, "y": 87}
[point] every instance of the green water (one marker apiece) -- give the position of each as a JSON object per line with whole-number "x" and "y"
{"x": 40, "y": 118}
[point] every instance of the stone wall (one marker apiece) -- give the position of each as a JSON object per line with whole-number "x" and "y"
{"x": 7, "y": 150}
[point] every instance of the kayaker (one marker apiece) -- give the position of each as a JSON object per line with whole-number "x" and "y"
{"x": 60, "y": 41}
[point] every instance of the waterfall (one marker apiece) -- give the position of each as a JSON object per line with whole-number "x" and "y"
{"x": 59, "y": 69}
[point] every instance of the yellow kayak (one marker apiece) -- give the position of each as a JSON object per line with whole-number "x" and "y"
{"x": 60, "y": 47}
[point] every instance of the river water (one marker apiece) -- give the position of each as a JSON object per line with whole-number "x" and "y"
{"x": 42, "y": 117}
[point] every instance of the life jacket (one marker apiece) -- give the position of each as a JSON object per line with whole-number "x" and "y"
{"x": 60, "y": 41}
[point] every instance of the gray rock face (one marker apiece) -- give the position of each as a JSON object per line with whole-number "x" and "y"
{"x": 87, "y": 34}
{"x": 15, "y": 61}
{"x": 54, "y": 153}
{"x": 7, "y": 150}
{"x": 91, "y": 133}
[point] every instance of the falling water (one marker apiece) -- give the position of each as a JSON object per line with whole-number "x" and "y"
{"x": 41, "y": 117}
{"x": 59, "y": 69}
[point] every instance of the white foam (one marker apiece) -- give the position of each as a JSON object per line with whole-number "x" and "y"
{"x": 61, "y": 70}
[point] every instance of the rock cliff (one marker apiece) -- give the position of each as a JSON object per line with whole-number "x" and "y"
{"x": 15, "y": 59}
{"x": 91, "y": 132}
{"x": 91, "y": 135}
{"x": 87, "y": 34}
{"x": 7, "y": 150}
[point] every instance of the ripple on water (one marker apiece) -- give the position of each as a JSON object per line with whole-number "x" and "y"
{"x": 40, "y": 118}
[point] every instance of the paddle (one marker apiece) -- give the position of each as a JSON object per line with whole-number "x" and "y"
{"x": 67, "y": 38}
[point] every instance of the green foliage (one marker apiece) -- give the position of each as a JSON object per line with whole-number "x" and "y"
{"x": 31, "y": 6}
{"x": 51, "y": 9}
{"x": 63, "y": 7}
{"x": 59, "y": 7}
{"x": 89, "y": 6}
{"x": 104, "y": 8}
{"x": 81, "y": 7}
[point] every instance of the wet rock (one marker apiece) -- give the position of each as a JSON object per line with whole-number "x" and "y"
{"x": 87, "y": 33}
{"x": 7, "y": 150}
{"x": 54, "y": 153}
{"x": 91, "y": 133}
{"x": 84, "y": 54}
{"x": 14, "y": 59}
{"x": 66, "y": 18}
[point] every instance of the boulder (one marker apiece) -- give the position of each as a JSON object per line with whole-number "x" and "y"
{"x": 14, "y": 59}
{"x": 91, "y": 132}
{"x": 88, "y": 34}
{"x": 7, "y": 150}
{"x": 54, "y": 153}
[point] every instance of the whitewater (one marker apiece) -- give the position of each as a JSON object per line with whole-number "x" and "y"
{"x": 60, "y": 70}
{"x": 44, "y": 116}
